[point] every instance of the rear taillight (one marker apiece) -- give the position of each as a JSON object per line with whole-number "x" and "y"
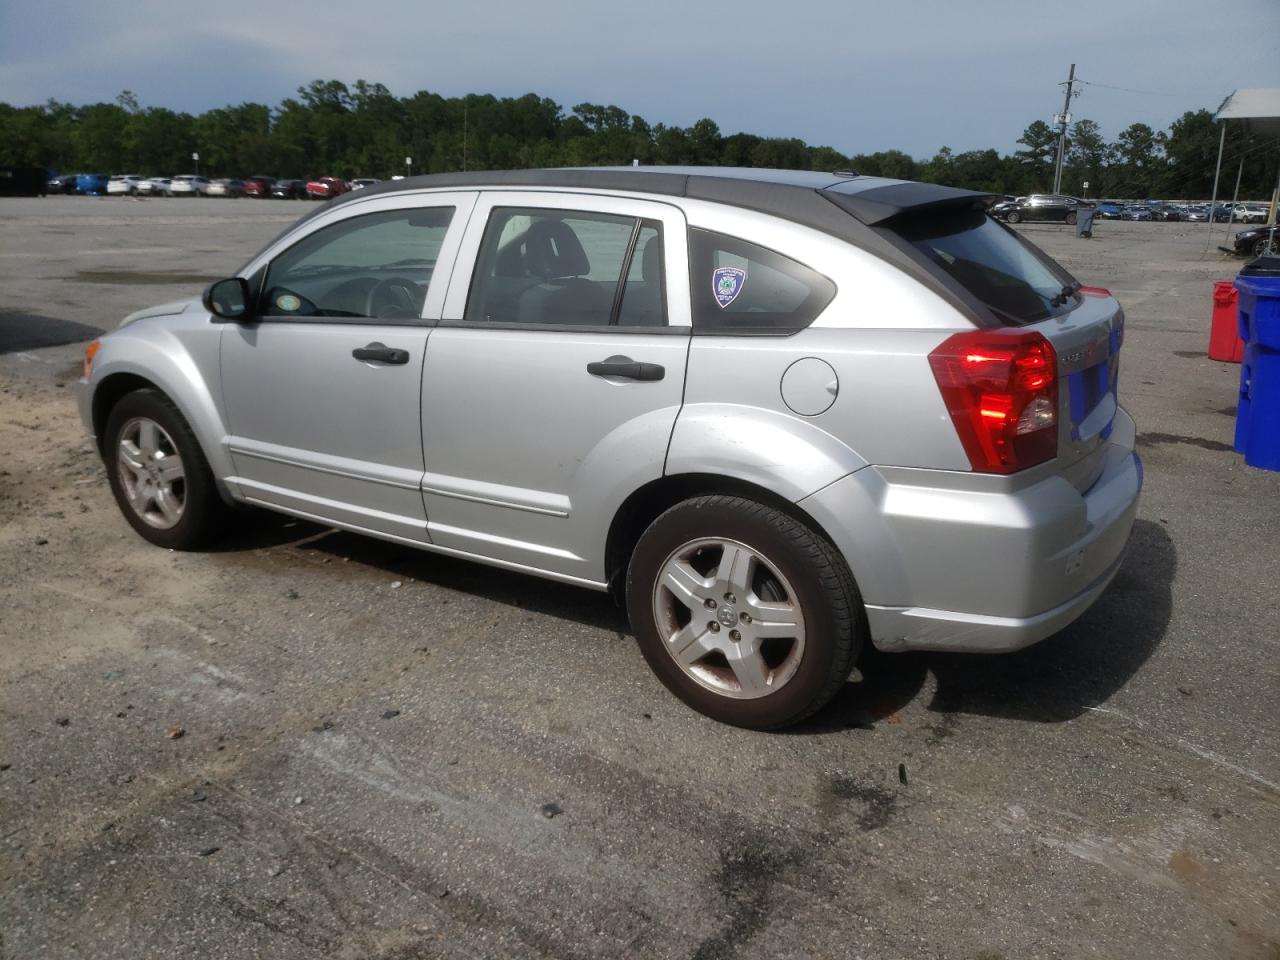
{"x": 1001, "y": 390}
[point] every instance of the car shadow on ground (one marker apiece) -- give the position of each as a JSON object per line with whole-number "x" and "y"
{"x": 1053, "y": 681}
{"x": 1050, "y": 682}
{"x": 30, "y": 331}
{"x": 260, "y": 529}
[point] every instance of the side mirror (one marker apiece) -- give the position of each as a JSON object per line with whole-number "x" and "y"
{"x": 228, "y": 299}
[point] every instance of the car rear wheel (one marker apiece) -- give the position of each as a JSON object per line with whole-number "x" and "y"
{"x": 744, "y": 612}
{"x": 1266, "y": 246}
{"x": 1071, "y": 217}
{"x": 1014, "y": 216}
{"x": 158, "y": 473}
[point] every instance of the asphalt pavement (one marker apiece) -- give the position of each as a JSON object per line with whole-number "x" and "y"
{"x": 309, "y": 744}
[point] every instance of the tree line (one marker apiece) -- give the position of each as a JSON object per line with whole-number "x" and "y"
{"x": 331, "y": 128}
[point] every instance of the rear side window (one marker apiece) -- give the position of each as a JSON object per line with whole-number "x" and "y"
{"x": 739, "y": 287}
{"x": 992, "y": 263}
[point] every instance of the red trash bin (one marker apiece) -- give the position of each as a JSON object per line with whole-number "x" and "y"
{"x": 1224, "y": 333}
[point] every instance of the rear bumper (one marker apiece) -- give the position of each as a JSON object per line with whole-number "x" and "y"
{"x": 955, "y": 562}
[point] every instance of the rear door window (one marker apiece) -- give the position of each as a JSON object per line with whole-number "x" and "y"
{"x": 568, "y": 268}
{"x": 741, "y": 287}
{"x": 992, "y": 263}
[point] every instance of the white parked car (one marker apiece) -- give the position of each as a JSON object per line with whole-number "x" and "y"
{"x": 154, "y": 187}
{"x": 123, "y": 184}
{"x": 189, "y": 185}
{"x": 359, "y": 182}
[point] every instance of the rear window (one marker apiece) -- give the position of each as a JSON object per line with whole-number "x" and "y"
{"x": 992, "y": 263}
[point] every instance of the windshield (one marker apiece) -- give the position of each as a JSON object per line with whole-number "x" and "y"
{"x": 993, "y": 263}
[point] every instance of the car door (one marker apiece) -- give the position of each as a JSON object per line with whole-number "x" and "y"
{"x": 553, "y": 381}
{"x": 321, "y": 386}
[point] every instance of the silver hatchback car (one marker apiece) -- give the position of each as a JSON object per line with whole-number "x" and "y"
{"x": 778, "y": 414}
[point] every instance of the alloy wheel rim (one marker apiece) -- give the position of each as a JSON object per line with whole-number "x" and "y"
{"x": 151, "y": 473}
{"x": 729, "y": 618}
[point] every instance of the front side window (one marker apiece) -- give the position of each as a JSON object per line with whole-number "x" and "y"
{"x": 740, "y": 287}
{"x": 568, "y": 268}
{"x": 377, "y": 266}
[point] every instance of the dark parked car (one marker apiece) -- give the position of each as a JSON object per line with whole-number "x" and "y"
{"x": 1167, "y": 214}
{"x": 64, "y": 183}
{"x": 1258, "y": 241}
{"x": 259, "y": 187}
{"x": 1137, "y": 212}
{"x": 1042, "y": 207}
{"x": 289, "y": 190}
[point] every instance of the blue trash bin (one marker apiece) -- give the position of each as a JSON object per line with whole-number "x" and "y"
{"x": 1258, "y": 412}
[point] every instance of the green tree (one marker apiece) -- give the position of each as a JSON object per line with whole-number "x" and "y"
{"x": 1040, "y": 155}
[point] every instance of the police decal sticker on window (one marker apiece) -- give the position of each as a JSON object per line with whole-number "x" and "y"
{"x": 727, "y": 283}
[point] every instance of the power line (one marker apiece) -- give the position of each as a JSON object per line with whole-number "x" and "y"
{"x": 1147, "y": 93}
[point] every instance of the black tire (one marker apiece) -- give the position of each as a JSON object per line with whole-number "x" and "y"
{"x": 834, "y": 619}
{"x": 204, "y": 511}
{"x": 1071, "y": 217}
{"x": 1265, "y": 245}
{"x": 1014, "y": 216}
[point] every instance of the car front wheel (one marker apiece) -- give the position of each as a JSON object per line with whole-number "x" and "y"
{"x": 159, "y": 474}
{"x": 1266, "y": 246}
{"x": 1014, "y": 217}
{"x": 744, "y": 612}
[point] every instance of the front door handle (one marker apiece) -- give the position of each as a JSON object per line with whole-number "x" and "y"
{"x": 380, "y": 353}
{"x": 626, "y": 369}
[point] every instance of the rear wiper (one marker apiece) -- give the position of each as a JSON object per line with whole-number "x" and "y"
{"x": 1065, "y": 294}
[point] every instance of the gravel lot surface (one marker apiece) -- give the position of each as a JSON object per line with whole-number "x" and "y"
{"x": 308, "y": 744}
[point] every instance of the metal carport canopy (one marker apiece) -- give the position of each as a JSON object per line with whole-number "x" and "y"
{"x": 1258, "y": 108}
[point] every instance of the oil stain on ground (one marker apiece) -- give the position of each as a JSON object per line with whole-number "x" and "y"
{"x": 1154, "y": 439}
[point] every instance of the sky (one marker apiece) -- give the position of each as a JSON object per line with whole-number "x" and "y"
{"x": 913, "y": 75}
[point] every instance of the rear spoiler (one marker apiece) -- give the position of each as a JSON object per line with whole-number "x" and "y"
{"x": 878, "y": 204}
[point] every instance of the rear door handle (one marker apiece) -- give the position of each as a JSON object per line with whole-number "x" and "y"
{"x": 626, "y": 369}
{"x": 380, "y": 353}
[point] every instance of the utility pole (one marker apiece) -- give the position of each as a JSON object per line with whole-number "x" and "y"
{"x": 1062, "y": 130}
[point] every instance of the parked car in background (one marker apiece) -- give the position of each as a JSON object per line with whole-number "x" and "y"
{"x": 123, "y": 184}
{"x": 1137, "y": 212}
{"x": 226, "y": 188}
{"x": 1109, "y": 211}
{"x": 1251, "y": 213}
{"x": 325, "y": 188}
{"x": 154, "y": 187}
{"x": 63, "y": 183}
{"x": 92, "y": 184}
{"x": 1045, "y": 207}
{"x": 258, "y": 186}
{"x": 706, "y": 451}
{"x": 188, "y": 185}
{"x": 289, "y": 190}
{"x": 360, "y": 182}
{"x": 1197, "y": 214}
{"x": 1258, "y": 242}
{"x": 1166, "y": 214}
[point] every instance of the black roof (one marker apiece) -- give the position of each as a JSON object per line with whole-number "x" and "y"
{"x": 799, "y": 195}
